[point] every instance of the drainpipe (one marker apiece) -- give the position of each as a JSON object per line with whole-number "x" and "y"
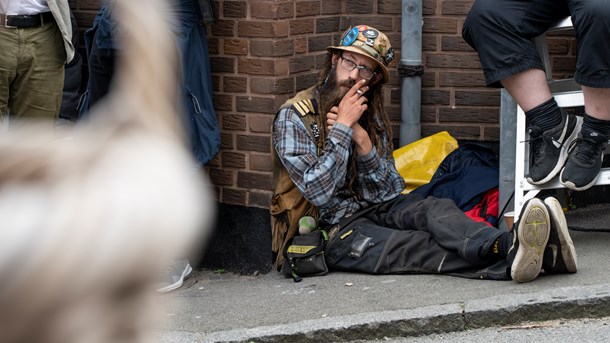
{"x": 410, "y": 70}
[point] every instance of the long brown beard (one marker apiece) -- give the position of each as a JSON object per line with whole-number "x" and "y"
{"x": 330, "y": 94}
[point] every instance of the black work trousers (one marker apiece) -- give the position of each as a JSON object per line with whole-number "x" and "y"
{"x": 502, "y": 32}
{"x": 410, "y": 234}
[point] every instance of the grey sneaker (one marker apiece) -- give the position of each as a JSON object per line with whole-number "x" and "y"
{"x": 530, "y": 235}
{"x": 549, "y": 149}
{"x": 585, "y": 161}
{"x": 560, "y": 254}
{"x": 174, "y": 276}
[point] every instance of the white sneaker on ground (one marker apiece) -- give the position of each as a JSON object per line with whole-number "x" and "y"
{"x": 175, "y": 275}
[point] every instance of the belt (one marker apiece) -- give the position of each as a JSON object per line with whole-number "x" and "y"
{"x": 25, "y": 21}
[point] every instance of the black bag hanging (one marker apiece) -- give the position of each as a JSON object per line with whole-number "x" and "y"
{"x": 304, "y": 256}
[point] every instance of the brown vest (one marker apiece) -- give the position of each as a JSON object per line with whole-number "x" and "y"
{"x": 288, "y": 204}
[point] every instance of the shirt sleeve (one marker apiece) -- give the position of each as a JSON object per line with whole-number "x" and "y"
{"x": 378, "y": 177}
{"x": 317, "y": 177}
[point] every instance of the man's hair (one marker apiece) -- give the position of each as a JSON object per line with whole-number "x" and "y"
{"x": 374, "y": 120}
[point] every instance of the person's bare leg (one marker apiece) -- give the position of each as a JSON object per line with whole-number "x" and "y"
{"x": 597, "y": 102}
{"x": 529, "y": 88}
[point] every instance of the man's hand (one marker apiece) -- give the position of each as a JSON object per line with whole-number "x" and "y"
{"x": 352, "y": 105}
{"x": 350, "y": 109}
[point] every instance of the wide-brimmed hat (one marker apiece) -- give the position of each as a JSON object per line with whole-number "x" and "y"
{"x": 369, "y": 42}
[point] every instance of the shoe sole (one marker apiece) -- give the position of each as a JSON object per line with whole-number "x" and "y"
{"x": 568, "y": 251}
{"x": 186, "y": 272}
{"x": 563, "y": 156}
{"x": 533, "y": 234}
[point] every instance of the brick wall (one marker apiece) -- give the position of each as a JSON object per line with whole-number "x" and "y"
{"x": 262, "y": 52}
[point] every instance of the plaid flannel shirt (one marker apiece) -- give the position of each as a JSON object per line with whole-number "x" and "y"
{"x": 323, "y": 179}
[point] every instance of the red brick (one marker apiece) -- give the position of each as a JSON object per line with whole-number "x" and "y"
{"x": 307, "y": 8}
{"x": 457, "y": 132}
{"x": 260, "y": 66}
{"x": 260, "y": 123}
{"x": 271, "y": 85}
{"x": 223, "y": 102}
{"x": 235, "y": 9}
{"x": 435, "y": 97}
{"x": 468, "y": 114}
{"x": 359, "y": 6}
{"x": 233, "y": 122}
{"x": 234, "y": 196}
{"x": 251, "y": 180}
{"x": 222, "y": 64}
{"x": 461, "y": 79}
{"x": 272, "y": 48}
{"x": 564, "y": 63}
{"x": 558, "y": 46}
{"x": 213, "y": 46}
{"x": 300, "y": 45}
{"x": 271, "y": 9}
{"x": 390, "y": 7}
{"x": 227, "y": 141}
{"x": 440, "y": 25}
{"x": 262, "y": 29}
{"x": 428, "y": 114}
{"x": 302, "y": 26}
{"x": 454, "y": 43}
{"x": 302, "y": 63}
{"x": 233, "y": 160}
{"x": 304, "y": 81}
{"x": 477, "y": 98}
{"x": 222, "y": 177}
{"x": 331, "y": 7}
{"x": 456, "y": 7}
{"x": 446, "y": 60}
{"x": 235, "y": 46}
{"x": 320, "y": 43}
{"x": 328, "y": 25}
{"x": 429, "y": 42}
{"x": 235, "y": 84}
{"x": 491, "y": 133}
{"x": 224, "y": 28}
{"x": 429, "y": 7}
{"x": 253, "y": 143}
{"x": 255, "y": 104}
{"x": 260, "y": 162}
{"x": 429, "y": 78}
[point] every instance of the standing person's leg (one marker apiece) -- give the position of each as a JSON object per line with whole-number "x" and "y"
{"x": 8, "y": 60}
{"x": 101, "y": 73}
{"x": 502, "y": 32}
{"x": 591, "y": 21}
{"x": 37, "y": 88}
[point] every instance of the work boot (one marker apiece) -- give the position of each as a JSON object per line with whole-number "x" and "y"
{"x": 548, "y": 149}
{"x": 530, "y": 235}
{"x": 585, "y": 161}
{"x": 559, "y": 254}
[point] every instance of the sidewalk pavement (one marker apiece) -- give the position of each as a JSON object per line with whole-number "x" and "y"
{"x": 344, "y": 307}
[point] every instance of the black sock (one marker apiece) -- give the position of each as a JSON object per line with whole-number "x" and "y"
{"x": 545, "y": 116}
{"x": 596, "y": 125}
{"x": 501, "y": 245}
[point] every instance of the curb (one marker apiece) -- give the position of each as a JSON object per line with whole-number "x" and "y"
{"x": 560, "y": 303}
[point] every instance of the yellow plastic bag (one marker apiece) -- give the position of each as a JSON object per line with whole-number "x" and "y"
{"x": 417, "y": 162}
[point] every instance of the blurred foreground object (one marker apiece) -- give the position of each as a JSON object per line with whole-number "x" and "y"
{"x": 90, "y": 221}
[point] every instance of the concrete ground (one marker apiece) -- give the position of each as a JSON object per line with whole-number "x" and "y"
{"x": 341, "y": 307}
